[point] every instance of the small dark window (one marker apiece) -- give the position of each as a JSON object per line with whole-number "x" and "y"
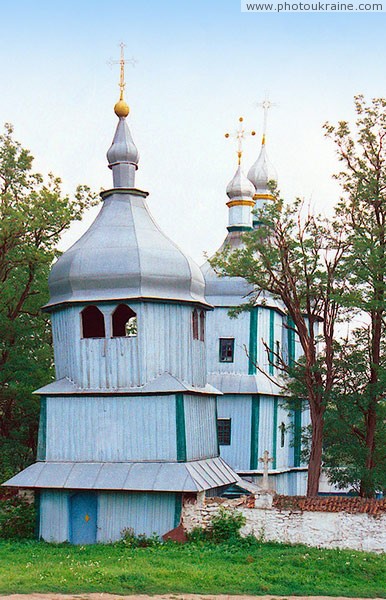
{"x": 202, "y": 326}
{"x": 124, "y": 322}
{"x": 195, "y": 324}
{"x": 282, "y": 434}
{"x": 277, "y": 361}
{"x": 227, "y": 346}
{"x": 224, "y": 432}
{"x": 93, "y": 322}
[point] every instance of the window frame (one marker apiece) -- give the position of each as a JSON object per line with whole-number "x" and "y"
{"x": 224, "y": 433}
{"x": 230, "y": 340}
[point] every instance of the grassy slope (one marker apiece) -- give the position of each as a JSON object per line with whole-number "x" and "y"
{"x": 259, "y": 569}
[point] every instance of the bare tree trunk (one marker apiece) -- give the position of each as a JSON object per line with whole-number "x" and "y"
{"x": 315, "y": 460}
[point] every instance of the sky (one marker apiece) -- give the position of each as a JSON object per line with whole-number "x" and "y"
{"x": 201, "y": 65}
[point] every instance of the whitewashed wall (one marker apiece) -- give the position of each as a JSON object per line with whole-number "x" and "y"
{"x": 358, "y": 531}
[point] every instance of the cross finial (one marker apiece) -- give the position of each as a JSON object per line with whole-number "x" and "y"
{"x": 266, "y": 105}
{"x": 122, "y": 84}
{"x": 239, "y": 134}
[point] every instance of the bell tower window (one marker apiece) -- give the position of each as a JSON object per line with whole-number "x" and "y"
{"x": 195, "y": 324}
{"x": 93, "y": 323}
{"x": 202, "y": 325}
{"x": 124, "y": 322}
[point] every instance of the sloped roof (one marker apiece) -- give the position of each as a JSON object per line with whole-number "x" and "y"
{"x": 194, "y": 476}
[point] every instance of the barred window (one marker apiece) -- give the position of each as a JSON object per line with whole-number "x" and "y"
{"x": 224, "y": 432}
{"x": 226, "y": 350}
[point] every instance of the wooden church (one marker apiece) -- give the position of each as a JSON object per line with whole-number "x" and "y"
{"x": 130, "y": 424}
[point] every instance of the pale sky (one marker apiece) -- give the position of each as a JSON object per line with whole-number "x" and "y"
{"x": 201, "y": 64}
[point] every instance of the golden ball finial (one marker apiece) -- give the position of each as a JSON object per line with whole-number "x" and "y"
{"x": 121, "y": 108}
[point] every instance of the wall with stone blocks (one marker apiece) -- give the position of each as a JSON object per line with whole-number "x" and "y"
{"x": 359, "y": 531}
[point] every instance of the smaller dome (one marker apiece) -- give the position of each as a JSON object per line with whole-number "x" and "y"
{"x": 240, "y": 187}
{"x": 121, "y": 108}
{"x": 123, "y": 149}
{"x": 262, "y": 171}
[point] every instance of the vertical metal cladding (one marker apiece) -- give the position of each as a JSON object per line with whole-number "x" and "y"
{"x": 164, "y": 344}
{"x": 238, "y": 409}
{"x": 201, "y": 441}
{"x": 113, "y": 428}
{"x": 145, "y": 513}
{"x": 219, "y": 325}
{"x": 54, "y": 516}
{"x": 266, "y": 424}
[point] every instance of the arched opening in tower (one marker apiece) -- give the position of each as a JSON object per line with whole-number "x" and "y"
{"x": 124, "y": 321}
{"x": 93, "y": 322}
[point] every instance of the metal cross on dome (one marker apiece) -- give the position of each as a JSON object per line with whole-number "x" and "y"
{"x": 266, "y": 105}
{"x": 122, "y": 62}
{"x": 239, "y": 135}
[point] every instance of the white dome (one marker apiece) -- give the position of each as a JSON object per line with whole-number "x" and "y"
{"x": 240, "y": 187}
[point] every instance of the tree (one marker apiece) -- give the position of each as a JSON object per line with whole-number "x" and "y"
{"x": 362, "y": 214}
{"x": 295, "y": 257}
{"x": 33, "y": 214}
{"x": 345, "y": 452}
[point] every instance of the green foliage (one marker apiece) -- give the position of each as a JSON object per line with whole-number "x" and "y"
{"x": 33, "y": 215}
{"x": 131, "y": 540}
{"x": 224, "y": 527}
{"x": 17, "y": 518}
{"x": 261, "y": 569}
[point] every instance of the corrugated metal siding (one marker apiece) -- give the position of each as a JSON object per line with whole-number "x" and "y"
{"x": 238, "y": 409}
{"x": 266, "y": 425}
{"x": 220, "y": 325}
{"x": 146, "y": 513}
{"x": 54, "y": 516}
{"x": 111, "y": 428}
{"x": 200, "y": 427}
{"x": 284, "y": 456}
{"x": 164, "y": 343}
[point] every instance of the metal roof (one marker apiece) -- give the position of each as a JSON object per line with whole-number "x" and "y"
{"x": 237, "y": 383}
{"x": 163, "y": 384}
{"x": 124, "y": 255}
{"x": 194, "y": 476}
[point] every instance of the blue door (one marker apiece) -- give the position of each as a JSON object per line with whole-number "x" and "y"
{"x": 83, "y": 518}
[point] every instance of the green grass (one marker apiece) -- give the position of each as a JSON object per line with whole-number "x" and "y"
{"x": 260, "y": 568}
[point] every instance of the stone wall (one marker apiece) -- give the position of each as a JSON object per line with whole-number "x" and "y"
{"x": 319, "y": 528}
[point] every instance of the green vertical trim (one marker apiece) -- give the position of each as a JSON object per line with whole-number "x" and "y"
{"x": 274, "y": 435}
{"x": 218, "y": 445}
{"x": 297, "y": 416}
{"x": 37, "y": 514}
{"x": 271, "y": 341}
{"x": 291, "y": 341}
{"x": 255, "y": 420}
{"x": 42, "y": 436}
{"x": 180, "y": 428}
{"x": 177, "y": 509}
{"x": 253, "y": 319}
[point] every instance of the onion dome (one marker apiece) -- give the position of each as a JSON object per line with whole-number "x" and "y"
{"x": 261, "y": 172}
{"x": 240, "y": 188}
{"x": 124, "y": 255}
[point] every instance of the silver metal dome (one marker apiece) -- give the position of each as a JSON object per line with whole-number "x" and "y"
{"x": 262, "y": 171}
{"x": 124, "y": 255}
{"x": 240, "y": 187}
{"x": 226, "y": 291}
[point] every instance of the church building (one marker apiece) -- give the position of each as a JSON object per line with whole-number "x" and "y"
{"x": 157, "y": 396}
{"x": 252, "y": 416}
{"x": 129, "y": 428}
